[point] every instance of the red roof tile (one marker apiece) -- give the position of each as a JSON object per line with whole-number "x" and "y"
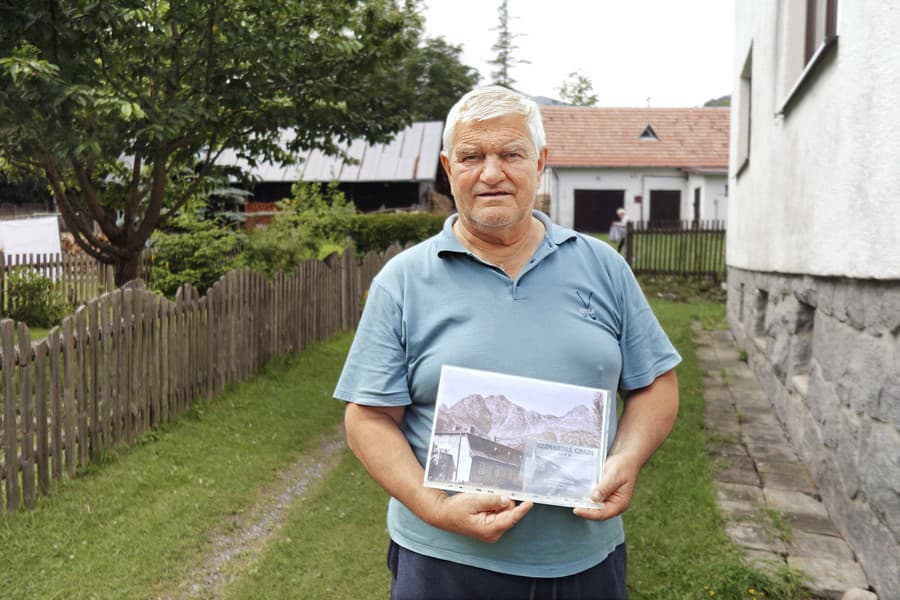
{"x": 610, "y": 137}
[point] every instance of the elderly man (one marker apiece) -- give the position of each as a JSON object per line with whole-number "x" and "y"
{"x": 503, "y": 289}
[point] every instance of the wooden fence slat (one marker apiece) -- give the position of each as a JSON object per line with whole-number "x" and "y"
{"x": 93, "y": 343}
{"x": 117, "y": 377}
{"x": 126, "y": 370}
{"x": 68, "y": 348}
{"x": 55, "y": 359}
{"x": 105, "y": 372}
{"x": 41, "y": 401}
{"x": 10, "y": 447}
{"x": 26, "y": 394}
{"x": 81, "y": 386}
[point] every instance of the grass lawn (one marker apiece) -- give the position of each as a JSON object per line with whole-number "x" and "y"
{"x": 123, "y": 528}
{"x": 130, "y": 526}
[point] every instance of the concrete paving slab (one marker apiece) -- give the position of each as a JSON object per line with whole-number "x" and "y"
{"x": 755, "y": 536}
{"x": 787, "y": 482}
{"x": 767, "y": 562}
{"x": 738, "y": 511}
{"x": 771, "y": 452}
{"x": 726, "y": 449}
{"x": 721, "y": 413}
{"x": 755, "y": 432}
{"x": 814, "y": 545}
{"x": 790, "y": 476}
{"x": 741, "y": 476}
{"x": 729, "y": 428}
{"x": 737, "y": 492}
{"x": 859, "y": 594}
{"x": 793, "y": 501}
{"x": 829, "y": 578}
{"x": 718, "y": 396}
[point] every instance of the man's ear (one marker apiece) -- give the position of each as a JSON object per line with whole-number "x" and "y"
{"x": 445, "y": 162}
{"x": 542, "y": 158}
{"x": 542, "y": 161}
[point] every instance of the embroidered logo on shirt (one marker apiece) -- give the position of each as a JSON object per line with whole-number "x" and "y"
{"x": 587, "y": 312}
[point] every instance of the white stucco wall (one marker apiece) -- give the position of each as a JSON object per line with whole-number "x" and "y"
{"x": 561, "y": 184}
{"x": 713, "y": 197}
{"x": 821, "y": 192}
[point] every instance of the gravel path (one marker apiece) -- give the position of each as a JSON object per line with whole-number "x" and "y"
{"x": 236, "y": 546}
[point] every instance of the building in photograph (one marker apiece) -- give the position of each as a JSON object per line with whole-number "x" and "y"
{"x": 813, "y": 249}
{"x": 659, "y": 164}
{"x": 468, "y": 458}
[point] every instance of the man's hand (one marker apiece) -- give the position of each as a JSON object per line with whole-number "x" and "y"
{"x": 614, "y": 490}
{"x": 484, "y": 517}
{"x": 374, "y": 435}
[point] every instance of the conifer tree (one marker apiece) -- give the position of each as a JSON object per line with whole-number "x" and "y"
{"x": 504, "y": 47}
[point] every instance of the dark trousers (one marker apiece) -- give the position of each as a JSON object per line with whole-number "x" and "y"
{"x": 417, "y": 577}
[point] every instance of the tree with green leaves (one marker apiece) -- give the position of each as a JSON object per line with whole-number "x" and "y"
{"x": 438, "y": 78}
{"x": 504, "y": 47}
{"x": 577, "y": 89}
{"x": 126, "y": 107}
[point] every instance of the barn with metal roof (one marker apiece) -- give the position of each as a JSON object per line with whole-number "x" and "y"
{"x": 397, "y": 174}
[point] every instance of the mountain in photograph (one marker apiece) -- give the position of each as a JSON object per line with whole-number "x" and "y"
{"x": 498, "y": 418}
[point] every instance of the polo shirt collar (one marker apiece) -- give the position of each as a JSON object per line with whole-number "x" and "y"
{"x": 446, "y": 240}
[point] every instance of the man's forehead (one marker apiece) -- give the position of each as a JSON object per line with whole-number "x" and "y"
{"x": 508, "y": 129}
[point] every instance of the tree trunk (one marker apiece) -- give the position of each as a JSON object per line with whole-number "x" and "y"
{"x": 127, "y": 269}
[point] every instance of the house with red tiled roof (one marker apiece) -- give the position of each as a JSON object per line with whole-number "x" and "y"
{"x": 660, "y": 164}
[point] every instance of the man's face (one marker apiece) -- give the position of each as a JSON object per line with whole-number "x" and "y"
{"x": 494, "y": 171}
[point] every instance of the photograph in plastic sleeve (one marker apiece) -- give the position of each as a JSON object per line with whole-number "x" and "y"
{"x": 529, "y": 439}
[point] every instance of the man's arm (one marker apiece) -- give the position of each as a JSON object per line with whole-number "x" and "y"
{"x": 374, "y": 436}
{"x": 646, "y": 421}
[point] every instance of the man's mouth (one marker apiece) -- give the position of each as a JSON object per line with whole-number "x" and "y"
{"x": 493, "y": 194}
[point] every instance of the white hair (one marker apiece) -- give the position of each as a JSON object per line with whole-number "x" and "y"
{"x": 491, "y": 102}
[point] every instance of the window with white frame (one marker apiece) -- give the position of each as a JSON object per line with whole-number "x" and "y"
{"x": 744, "y": 106}
{"x": 808, "y": 30}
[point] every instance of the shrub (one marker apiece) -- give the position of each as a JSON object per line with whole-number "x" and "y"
{"x": 281, "y": 246}
{"x": 314, "y": 223}
{"x": 323, "y": 210}
{"x": 34, "y": 301}
{"x": 376, "y": 232}
{"x": 191, "y": 250}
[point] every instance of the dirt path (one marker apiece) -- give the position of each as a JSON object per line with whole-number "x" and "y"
{"x": 236, "y": 546}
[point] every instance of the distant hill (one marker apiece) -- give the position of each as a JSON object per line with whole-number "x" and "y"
{"x": 498, "y": 418}
{"x": 720, "y": 101}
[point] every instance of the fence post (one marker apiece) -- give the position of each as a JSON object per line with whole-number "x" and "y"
{"x": 629, "y": 249}
{"x": 2, "y": 282}
{"x": 10, "y": 448}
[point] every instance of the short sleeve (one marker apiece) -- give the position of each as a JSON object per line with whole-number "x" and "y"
{"x": 647, "y": 352}
{"x": 375, "y": 372}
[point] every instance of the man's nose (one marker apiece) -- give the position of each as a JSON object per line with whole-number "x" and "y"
{"x": 492, "y": 172}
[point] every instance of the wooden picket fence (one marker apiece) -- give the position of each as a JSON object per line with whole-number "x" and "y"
{"x": 684, "y": 248}
{"x": 77, "y": 277}
{"x": 129, "y": 360}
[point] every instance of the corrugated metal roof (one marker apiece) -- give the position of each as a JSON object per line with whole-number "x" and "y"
{"x": 611, "y": 137}
{"x": 411, "y": 156}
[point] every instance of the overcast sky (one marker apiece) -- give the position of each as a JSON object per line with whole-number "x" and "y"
{"x": 676, "y": 52}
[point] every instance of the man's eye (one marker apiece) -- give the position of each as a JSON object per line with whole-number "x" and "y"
{"x": 470, "y": 158}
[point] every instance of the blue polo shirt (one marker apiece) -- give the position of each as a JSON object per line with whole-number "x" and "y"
{"x": 575, "y": 314}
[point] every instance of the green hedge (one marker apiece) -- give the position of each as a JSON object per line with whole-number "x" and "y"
{"x": 378, "y": 231}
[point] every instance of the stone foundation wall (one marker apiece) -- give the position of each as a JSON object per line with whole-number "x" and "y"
{"x": 827, "y": 351}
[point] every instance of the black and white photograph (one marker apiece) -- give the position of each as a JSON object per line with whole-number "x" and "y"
{"x": 530, "y": 439}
